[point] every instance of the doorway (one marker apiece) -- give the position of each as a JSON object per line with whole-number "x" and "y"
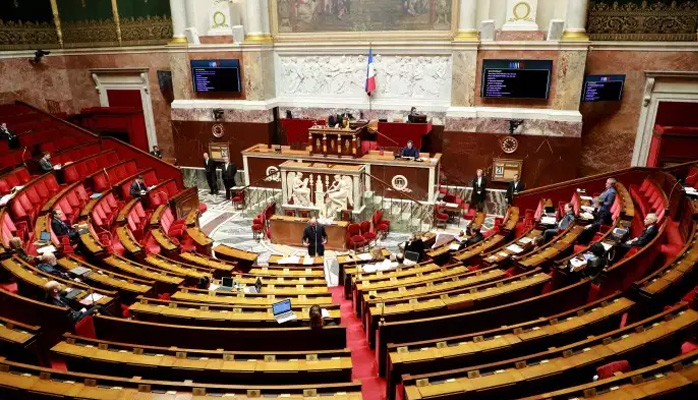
{"x": 661, "y": 89}
{"x": 128, "y": 87}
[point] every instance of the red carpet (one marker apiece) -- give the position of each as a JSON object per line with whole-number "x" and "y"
{"x": 363, "y": 359}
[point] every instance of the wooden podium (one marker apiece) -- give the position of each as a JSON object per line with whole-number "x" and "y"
{"x": 336, "y": 141}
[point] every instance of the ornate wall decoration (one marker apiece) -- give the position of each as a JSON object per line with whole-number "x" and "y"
{"x": 89, "y": 24}
{"x": 362, "y": 16}
{"x": 636, "y": 20}
{"x": 144, "y": 22}
{"x": 397, "y": 77}
{"x": 27, "y": 25}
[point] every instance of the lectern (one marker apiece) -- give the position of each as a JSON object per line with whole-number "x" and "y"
{"x": 335, "y": 142}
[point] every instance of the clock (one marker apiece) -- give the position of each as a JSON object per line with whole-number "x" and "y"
{"x": 509, "y": 144}
{"x": 217, "y": 131}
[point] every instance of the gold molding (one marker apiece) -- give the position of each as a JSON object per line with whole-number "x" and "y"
{"x": 117, "y": 20}
{"x": 178, "y": 41}
{"x": 466, "y": 36}
{"x": 575, "y": 36}
{"x": 263, "y": 38}
{"x": 57, "y": 22}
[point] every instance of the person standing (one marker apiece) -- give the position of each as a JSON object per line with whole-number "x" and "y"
{"x": 229, "y": 170}
{"x": 314, "y": 238}
{"x": 477, "y": 197}
{"x": 12, "y": 139}
{"x": 210, "y": 170}
{"x": 608, "y": 196}
{"x": 515, "y": 186}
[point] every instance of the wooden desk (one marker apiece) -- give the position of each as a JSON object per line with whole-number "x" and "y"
{"x": 289, "y": 231}
{"x": 127, "y": 240}
{"x": 164, "y": 241}
{"x": 122, "y": 217}
{"x": 166, "y": 282}
{"x": 156, "y": 216}
{"x": 128, "y": 287}
{"x": 244, "y": 259}
{"x": 237, "y": 298}
{"x": 18, "y": 341}
{"x": 201, "y": 240}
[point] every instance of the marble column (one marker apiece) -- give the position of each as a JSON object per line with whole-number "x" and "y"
{"x": 257, "y": 30}
{"x": 467, "y": 21}
{"x": 576, "y": 20}
{"x": 179, "y": 21}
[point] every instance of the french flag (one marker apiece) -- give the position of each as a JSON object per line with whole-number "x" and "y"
{"x": 370, "y": 74}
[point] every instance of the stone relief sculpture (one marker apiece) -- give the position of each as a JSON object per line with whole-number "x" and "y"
{"x": 425, "y": 77}
{"x": 339, "y": 195}
{"x": 298, "y": 190}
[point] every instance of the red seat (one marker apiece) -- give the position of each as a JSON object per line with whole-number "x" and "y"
{"x": 366, "y": 232}
{"x": 440, "y": 218}
{"x": 239, "y": 200}
{"x": 356, "y": 240}
{"x": 608, "y": 370}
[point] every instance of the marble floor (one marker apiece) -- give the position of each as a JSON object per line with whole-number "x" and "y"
{"x": 226, "y": 225}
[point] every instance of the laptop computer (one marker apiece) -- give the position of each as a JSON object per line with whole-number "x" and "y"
{"x": 44, "y": 238}
{"x": 282, "y": 311}
{"x": 226, "y": 284}
{"x": 412, "y": 256}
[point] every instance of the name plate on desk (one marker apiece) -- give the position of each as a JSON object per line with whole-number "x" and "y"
{"x": 503, "y": 170}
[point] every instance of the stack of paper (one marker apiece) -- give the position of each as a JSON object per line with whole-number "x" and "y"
{"x": 365, "y": 257}
{"x": 91, "y": 299}
{"x": 525, "y": 240}
{"x": 290, "y": 260}
{"x": 514, "y": 248}
{"x": 308, "y": 260}
{"x": 454, "y": 246}
{"x": 548, "y": 220}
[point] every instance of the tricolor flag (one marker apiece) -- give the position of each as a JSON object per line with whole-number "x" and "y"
{"x": 370, "y": 74}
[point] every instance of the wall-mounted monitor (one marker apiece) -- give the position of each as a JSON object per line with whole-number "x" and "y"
{"x": 211, "y": 76}
{"x": 603, "y": 87}
{"x": 517, "y": 79}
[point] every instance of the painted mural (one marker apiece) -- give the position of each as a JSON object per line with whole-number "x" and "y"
{"x": 295, "y": 16}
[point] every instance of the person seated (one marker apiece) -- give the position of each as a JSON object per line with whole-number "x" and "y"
{"x": 563, "y": 224}
{"x": 377, "y": 254}
{"x": 474, "y": 236}
{"x": 591, "y": 263}
{"x": 649, "y": 233}
{"x": 410, "y": 151}
{"x": 45, "y": 163}
{"x": 54, "y": 297}
{"x": 602, "y": 216}
{"x": 203, "y": 283}
{"x": 60, "y": 228}
{"x": 155, "y": 152}
{"x": 316, "y": 319}
{"x": 138, "y": 188}
{"x": 17, "y": 249}
{"x": 47, "y": 263}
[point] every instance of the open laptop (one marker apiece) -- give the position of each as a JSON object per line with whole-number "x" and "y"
{"x": 44, "y": 238}
{"x": 282, "y": 311}
{"x": 226, "y": 284}
{"x": 412, "y": 256}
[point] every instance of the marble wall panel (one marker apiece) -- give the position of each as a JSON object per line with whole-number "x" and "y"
{"x": 36, "y": 83}
{"x": 569, "y": 75}
{"x": 610, "y": 129}
{"x": 437, "y": 118}
{"x": 181, "y": 75}
{"x": 258, "y": 75}
{"x": 84, "y": 93}
{"x": 530, "y": 127}
{"x": 463, "y": 76}
{"x": 231, "y": 115}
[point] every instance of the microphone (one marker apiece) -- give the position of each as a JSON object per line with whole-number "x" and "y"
{"x": 107, "y": 175}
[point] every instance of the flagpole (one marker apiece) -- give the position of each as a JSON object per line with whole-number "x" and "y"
{"x": 370, "y": 96}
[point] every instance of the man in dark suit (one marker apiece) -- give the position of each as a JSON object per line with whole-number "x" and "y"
{"x": 45, "y": 163}
{"x": 12, "y": 139}
{"x": 54, "y": 297}
{"x": 647, "y": 235}
{"x": 314, "y": 238}
{"x": 477, "y": 197}
{"x": 410, "y": 151}
{"x": 602, "y": 216}
{"x": 564, "y": 223}
{"x": 609, "y": 195}
{"x": 210, "y": 170}
{"x": 155, "y": 152}
{"x": 515, "y": 186}
{"x": 60, "y": 228}
{"x": 229, "y": 169}
{"x": 474, "y": 236}
{"x": 138, "y": 188}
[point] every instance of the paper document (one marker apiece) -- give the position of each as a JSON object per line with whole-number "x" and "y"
{"x": 290, "y": 260}
{"x": 577, "y": 263}
{"x": 46, "y": 249}
{"x": 586, "y": 215}
{"x": 454, "y": 246}
{"x": 526, "y": 240}
{"x": 213, "y": 287}
{"x": 606, "y": 246}
{"x": 515, "y": 248}
{"x": 91, "y": 299}
{"x": 548, "y": 220}
{"x": 587, "y": 208}
{"x": 364, "y": 257}
{"x": 308, "y": 260}
{"x": 325, "y": 313}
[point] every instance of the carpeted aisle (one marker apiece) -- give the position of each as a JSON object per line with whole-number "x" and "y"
{"x": 362, "y": 357}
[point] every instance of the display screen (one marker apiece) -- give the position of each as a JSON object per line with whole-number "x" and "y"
{"x": 216, "y": 75}
{"x": 519, "y": 79}
{"x": 603, "y": 87}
